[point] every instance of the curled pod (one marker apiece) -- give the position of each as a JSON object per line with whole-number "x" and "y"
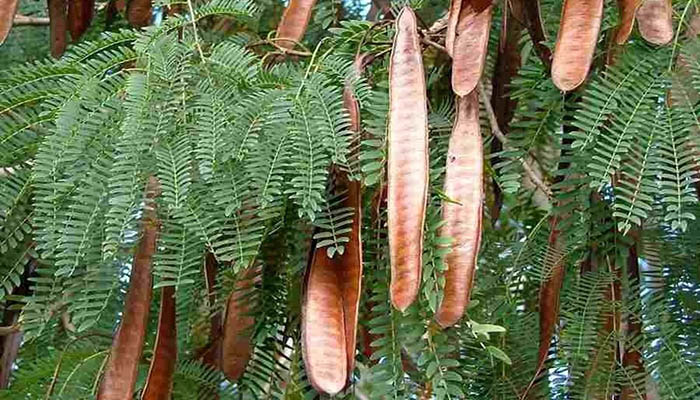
{"x": 407, "y": 170}
{"x": 294, "y": 22}
{"x": 121, "y": 370}
{"x": 470, "y": 47}
{"x": 656, "y": 21}
{"x": 549, "y": 292}
{"x": 138, "y": 13}
{"x": 57, "y": 27}
{"x": 8, "y": 8}
{"x": 627, "y": 10}
{"x": 576, "y": 42}
{"x": 159, "y": 383}
{"x": 236, "y": 345}
{"x": 79, "y": 17}
{"x": 464, "y": 184}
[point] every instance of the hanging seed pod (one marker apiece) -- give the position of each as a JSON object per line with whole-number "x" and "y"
{"x": 407, "y": 161}
{"x": 121, "y": 370}
{"x": 159, "y": 383}
{"x": 79, "y": 17}
{"x": 8, "y": 8}
{"x": 294, "y": 21}
{"x": 535, "y": 28}
{"x": 464, "y": 185}
{"x": 453, "y": 18}
{"x": 470, "y": 48}
{"x": 656, "y": 21}
{"x": 576, "y": 42}
{"x": 628, "y": 10}
{"x": 549, "y": 294}
{"x": 57, "y": 27}
{"x": 338, "y": 276}
{"x": 138, "y": 13}
{"x": 236, "y": 347}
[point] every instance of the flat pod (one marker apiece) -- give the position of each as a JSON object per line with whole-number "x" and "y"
{"x": 57, "y": 27}
{"x": 549, "y": 294}
{"x": 159, "y": 383}
{"x": 656, "y": 21}
{"x": 627, "y": 10}
{"x": 407, "y": 171}
{"x": 294, "y": 21}
{"x": 464, "y": 184}
{"x": 453, "y": 16}
{"x": 8, "y": 8}
{"x": 121, "y": 370}
{"x": 79, "y": 17}
{"x": 470, "y": 49}
{"x": 323, "y": 330}
{"x": 236, "y": 347}
{"x": 576, "y": 42}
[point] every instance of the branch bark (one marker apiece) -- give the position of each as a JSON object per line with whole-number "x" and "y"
{"x": 25, "y": 20}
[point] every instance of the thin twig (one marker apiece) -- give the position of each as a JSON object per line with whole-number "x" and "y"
{"x": 26, "y": 20}
{"x": 281, "y": 49}
{"x": 536, "y": 180}
{"x": 9, "y": 330}
{"x": 194, "y": 28}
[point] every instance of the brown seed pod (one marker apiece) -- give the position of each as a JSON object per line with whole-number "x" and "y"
{"x": 79, "y": 17}
{"x": 464, "y": 184}
{"x": 138, "y": 12}
{"x": 656, "y": 21}
{"x": 470, "y": 48}
{"x": 453, "y": 18}
{"x": 549, "y": 293}
{"x": 236, "y": 347}
{"x": 335, "y": 281}
{"x": 57, "y": 27}
{"x": 294, "y": 21}
{"x": 8, "y": 8}
{"x": 628, "y": 10}
{"x": 121, "y": 370}
{"x": 407, "y": 168}
{"x": 159, "y": 382}
{"x": 576, "y": 42}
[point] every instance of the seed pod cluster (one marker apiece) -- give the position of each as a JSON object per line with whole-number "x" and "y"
{"x": 576, "y": 42}
{"x": 121, "y": 370}
{"x": 407, "y": 168}
{"x": 294, "y": 22}
{"x": 462, "y": 215}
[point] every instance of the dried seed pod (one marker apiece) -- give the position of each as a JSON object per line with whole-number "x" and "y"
{"x": 294, "y": 21}
{"x": 576, "y": 42}
{"x": 138, "y": 12}
{"x": 8, "y": 8}
{"x": 470, "y": 48}
{"x": 453, "y": 18}
{"x": 407, "y": 161}
{"x": 464, "y": 184}
{"x": 332, "y": 281}
{"x": 656, "y": 21}
{"x": 121, "y": 370}
{"x": 236, "y": 347}
{"x": 159, "y": 382}
{"x": 79, "y": 17}
{"x": 628, "y": 10}
{"x": 57, "y": 27}
{"x": 535, "y": 28}
{"x": 549, "y": 293}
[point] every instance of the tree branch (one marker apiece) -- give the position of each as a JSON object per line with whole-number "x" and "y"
{"x": 24, "y": 20}
{"x": 502, "y": 138}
